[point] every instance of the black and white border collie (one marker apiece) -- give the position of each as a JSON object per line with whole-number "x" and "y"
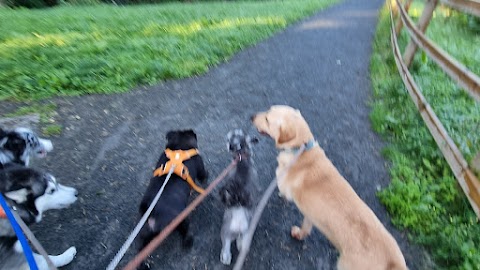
{"x": 16, "y": 146}
{"x": 239, "y": 193}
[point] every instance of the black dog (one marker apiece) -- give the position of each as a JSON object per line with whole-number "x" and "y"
{"x": 175, "y": 196}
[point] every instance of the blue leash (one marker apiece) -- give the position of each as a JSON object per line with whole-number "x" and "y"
{"x": 18, "y": 231}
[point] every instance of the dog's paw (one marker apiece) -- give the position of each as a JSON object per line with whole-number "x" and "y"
{"x": 70, "y": 253}
{"x": 64, "y": 258}
{"x": 226, "y": 258}
{"x": 297, "y": 233}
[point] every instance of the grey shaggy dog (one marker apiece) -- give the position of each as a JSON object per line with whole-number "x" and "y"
{"x": 239, "y": 193}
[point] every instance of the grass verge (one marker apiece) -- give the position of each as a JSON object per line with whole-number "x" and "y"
{"x": 424, "y": 196}
{"x": 46, "y": 113}
{"x": 108, "y": 49}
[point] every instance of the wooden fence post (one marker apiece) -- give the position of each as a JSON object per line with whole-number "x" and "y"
{"x": 476, "y": 163}
{"x": 422, "y": 26}
{"x": 399, "y": 24}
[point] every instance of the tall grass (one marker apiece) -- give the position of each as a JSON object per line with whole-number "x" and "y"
{"x": 75, "y": 50}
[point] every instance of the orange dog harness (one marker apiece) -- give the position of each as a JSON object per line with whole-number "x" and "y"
{"x": 177, "y": 157}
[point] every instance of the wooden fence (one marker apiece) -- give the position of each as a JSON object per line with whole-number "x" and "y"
{"x": 458, "y": 72}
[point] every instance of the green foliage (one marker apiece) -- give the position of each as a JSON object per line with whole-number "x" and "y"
{"x": 52, "y": 130}
{"x": 46, "y": 113}
{"x": 424, "y": 196}
{"x": 473, "y": 23}
{"x": 107, "y": 49}
{"x": 51, "y": 3}
{"x": 468, "y": 22}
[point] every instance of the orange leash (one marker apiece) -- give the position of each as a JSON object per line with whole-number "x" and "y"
{"x": 177, "y": 157}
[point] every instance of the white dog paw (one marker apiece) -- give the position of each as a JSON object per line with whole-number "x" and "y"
{"x": 64, "y": 258}
{"x": 297, "y": 233}
{"x": 69, "y": 254}
{"x": 226, "y": 258}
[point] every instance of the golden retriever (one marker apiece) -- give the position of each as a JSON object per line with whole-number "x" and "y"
{"x": 325, "y": 198}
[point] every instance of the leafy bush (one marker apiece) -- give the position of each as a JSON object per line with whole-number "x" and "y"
{"x": 424, "y": 196}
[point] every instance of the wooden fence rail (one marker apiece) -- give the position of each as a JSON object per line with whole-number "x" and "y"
{"x": 467, "y": 6}
{"x": 457, "y": 71}
{"x": 465, "y": 177}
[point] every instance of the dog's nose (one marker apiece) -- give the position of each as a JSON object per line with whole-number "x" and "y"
{"x": 76, "y": 193}
{"x": 253, "y": 117}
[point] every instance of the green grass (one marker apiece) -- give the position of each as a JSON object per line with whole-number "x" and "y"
{"x": 46, "y": 113}
{"x": 52, "y": 130}
{"x": 424, "y": 196}
{"x": 68, "y": 51}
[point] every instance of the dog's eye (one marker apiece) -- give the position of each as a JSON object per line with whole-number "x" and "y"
{"x": 266, "y": 119}
{"x": 51, "y": 191}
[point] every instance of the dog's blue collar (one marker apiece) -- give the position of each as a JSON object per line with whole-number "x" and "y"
{"x": 309, "y": 145}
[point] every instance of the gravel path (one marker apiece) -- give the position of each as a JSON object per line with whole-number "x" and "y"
{"x": 110, "y": 144}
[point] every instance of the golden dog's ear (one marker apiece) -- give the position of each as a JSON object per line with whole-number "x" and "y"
{"x": 287, "y": 133}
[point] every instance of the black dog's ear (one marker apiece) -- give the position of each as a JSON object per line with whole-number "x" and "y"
{"x": 170, "y": 135}
{"x": 13, "y": 141}
{"x": 191, "y": 132}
